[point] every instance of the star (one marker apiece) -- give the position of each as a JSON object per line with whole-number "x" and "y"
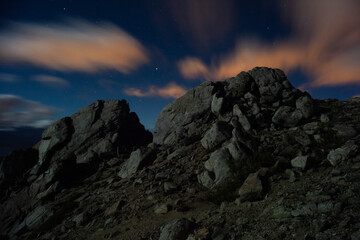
{"x": 156, "y": 68}
{"x": 64, "y": 9}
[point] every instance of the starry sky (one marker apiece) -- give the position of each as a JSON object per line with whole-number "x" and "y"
{"x": 57, "y": 56}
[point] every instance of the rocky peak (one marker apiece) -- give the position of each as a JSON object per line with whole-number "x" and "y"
{"x": 250, "y": 157}
{"x": 258, "y": 99}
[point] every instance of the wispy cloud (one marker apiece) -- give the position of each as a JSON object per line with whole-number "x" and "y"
{"x": 18, "y": 112}
{"x": 74, "y": 46}
{"x": 51, "y": 81}
{"x": 9, "y": 78}
{"x": 171, "y": 90}
{"x": 324, "y": 45}
{"x": 204, "y": 22}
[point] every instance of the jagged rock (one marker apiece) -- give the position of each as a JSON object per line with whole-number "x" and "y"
{"x": 324, "y": 118}
{"x": 345, "y": 131}
{"x": 178, "y": 229}
{"x": 138, "y": 159}
{"x": 239, "y": 85}
{"x": 305, "y": 105}
{"x": 217, "y": 104}
{"x": 161, "y": 208}
{"x": 73, "y": 143}
{"x": 169, "y": 187}
{"x": 205, "y": 179}
{"x": 220, "y": 163}
{"x": 287, "y": 116}
{"x": 242, "y": 118}
{"x": 216, "y": 135}
{"x": 338, "y": 155}
{"x": 81, "y": 218}
{"x": 302, "y": 138}
{"x": 38, "y": 216}
{"x": 300, "y": 162}
{"x": 174, "y": 121}
{"x": 252, "y": 189}
{"x": 237, "y": 152}
{"x": 311, "y": 128}
{"x": 114, "y": 209}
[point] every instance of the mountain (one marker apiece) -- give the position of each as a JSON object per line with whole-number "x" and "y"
{"x": 250, "y": 157}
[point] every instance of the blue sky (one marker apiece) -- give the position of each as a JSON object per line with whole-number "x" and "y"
{"x": 59, "y": 56}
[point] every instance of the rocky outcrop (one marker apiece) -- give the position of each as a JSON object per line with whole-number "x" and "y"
{"x": 71, "y": 150}
{"x": 74, "y": 145}
{"x": 255, "y": 96}
{"x": 250, "y": 157}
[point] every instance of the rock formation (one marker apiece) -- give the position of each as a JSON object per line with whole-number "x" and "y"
{"x": 250, "y": 157}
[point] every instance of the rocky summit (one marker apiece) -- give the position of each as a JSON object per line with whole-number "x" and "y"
{"x": 250, "y": 157}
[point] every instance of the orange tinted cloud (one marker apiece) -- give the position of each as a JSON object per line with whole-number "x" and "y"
{"x": 325, "y": 45}
{"x": 193, "y": 68}
{"x": 171, "y": 90}
{"x": 78, "y": 45}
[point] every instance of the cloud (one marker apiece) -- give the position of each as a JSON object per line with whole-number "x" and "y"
{"x": 324, "y": 45}
{"x": 51, "y": 81}
{"x": 171, "y": 90}
{"x": 9, "y": 78}
{"x": 204, "y": 22}
{"x": 194, "y": 68}
{"x": 75, "y": 46}
{"x": 18, "y": 112}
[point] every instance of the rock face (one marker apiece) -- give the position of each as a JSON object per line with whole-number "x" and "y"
{"x": 103, "y": 130}
{"x": 247, "y": 94}
{"x": 250, "y": 157}
{"x": 72, "y": 149}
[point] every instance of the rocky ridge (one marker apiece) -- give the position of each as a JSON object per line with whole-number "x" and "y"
{"x": 250, "y": 157}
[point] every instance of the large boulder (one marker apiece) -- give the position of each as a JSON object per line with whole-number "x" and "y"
{"x": 71, "y": 147}
{"x": 178, "y": 119}
{"x": 138, "y": 159}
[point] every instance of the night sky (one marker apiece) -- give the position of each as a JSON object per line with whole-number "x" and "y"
{"x": 59, "y": 56}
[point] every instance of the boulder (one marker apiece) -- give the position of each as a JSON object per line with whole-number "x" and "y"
{"x": 242, "y": 118}
{"x": 217, "y": 134}
{"x": 217, "y": 104}
{"x": 302, "y": 138}
{"x": 205, "y": 179}
{"x": 220, "y": 163}
{"x": 300, "y": 162}
{"x": 38, "y": 216}
{"x": 138, "y": 159}
{"x": 237, "y": 87}
{"x": 71, "y": 148}
{"x": 342, "y": 153}
{"x": 305, "y": 105}
{"x": 287, "y": 116}
{"x": 252, "y": 189}
{"x": 177, "y": 229}
{"x": 174, "y": 121}
{"x": 345, "y": 131}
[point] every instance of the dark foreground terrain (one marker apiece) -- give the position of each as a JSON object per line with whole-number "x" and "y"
{"x": 247, "y": 158}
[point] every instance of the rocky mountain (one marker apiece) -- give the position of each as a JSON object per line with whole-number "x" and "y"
{"x": 250, "y": 157}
